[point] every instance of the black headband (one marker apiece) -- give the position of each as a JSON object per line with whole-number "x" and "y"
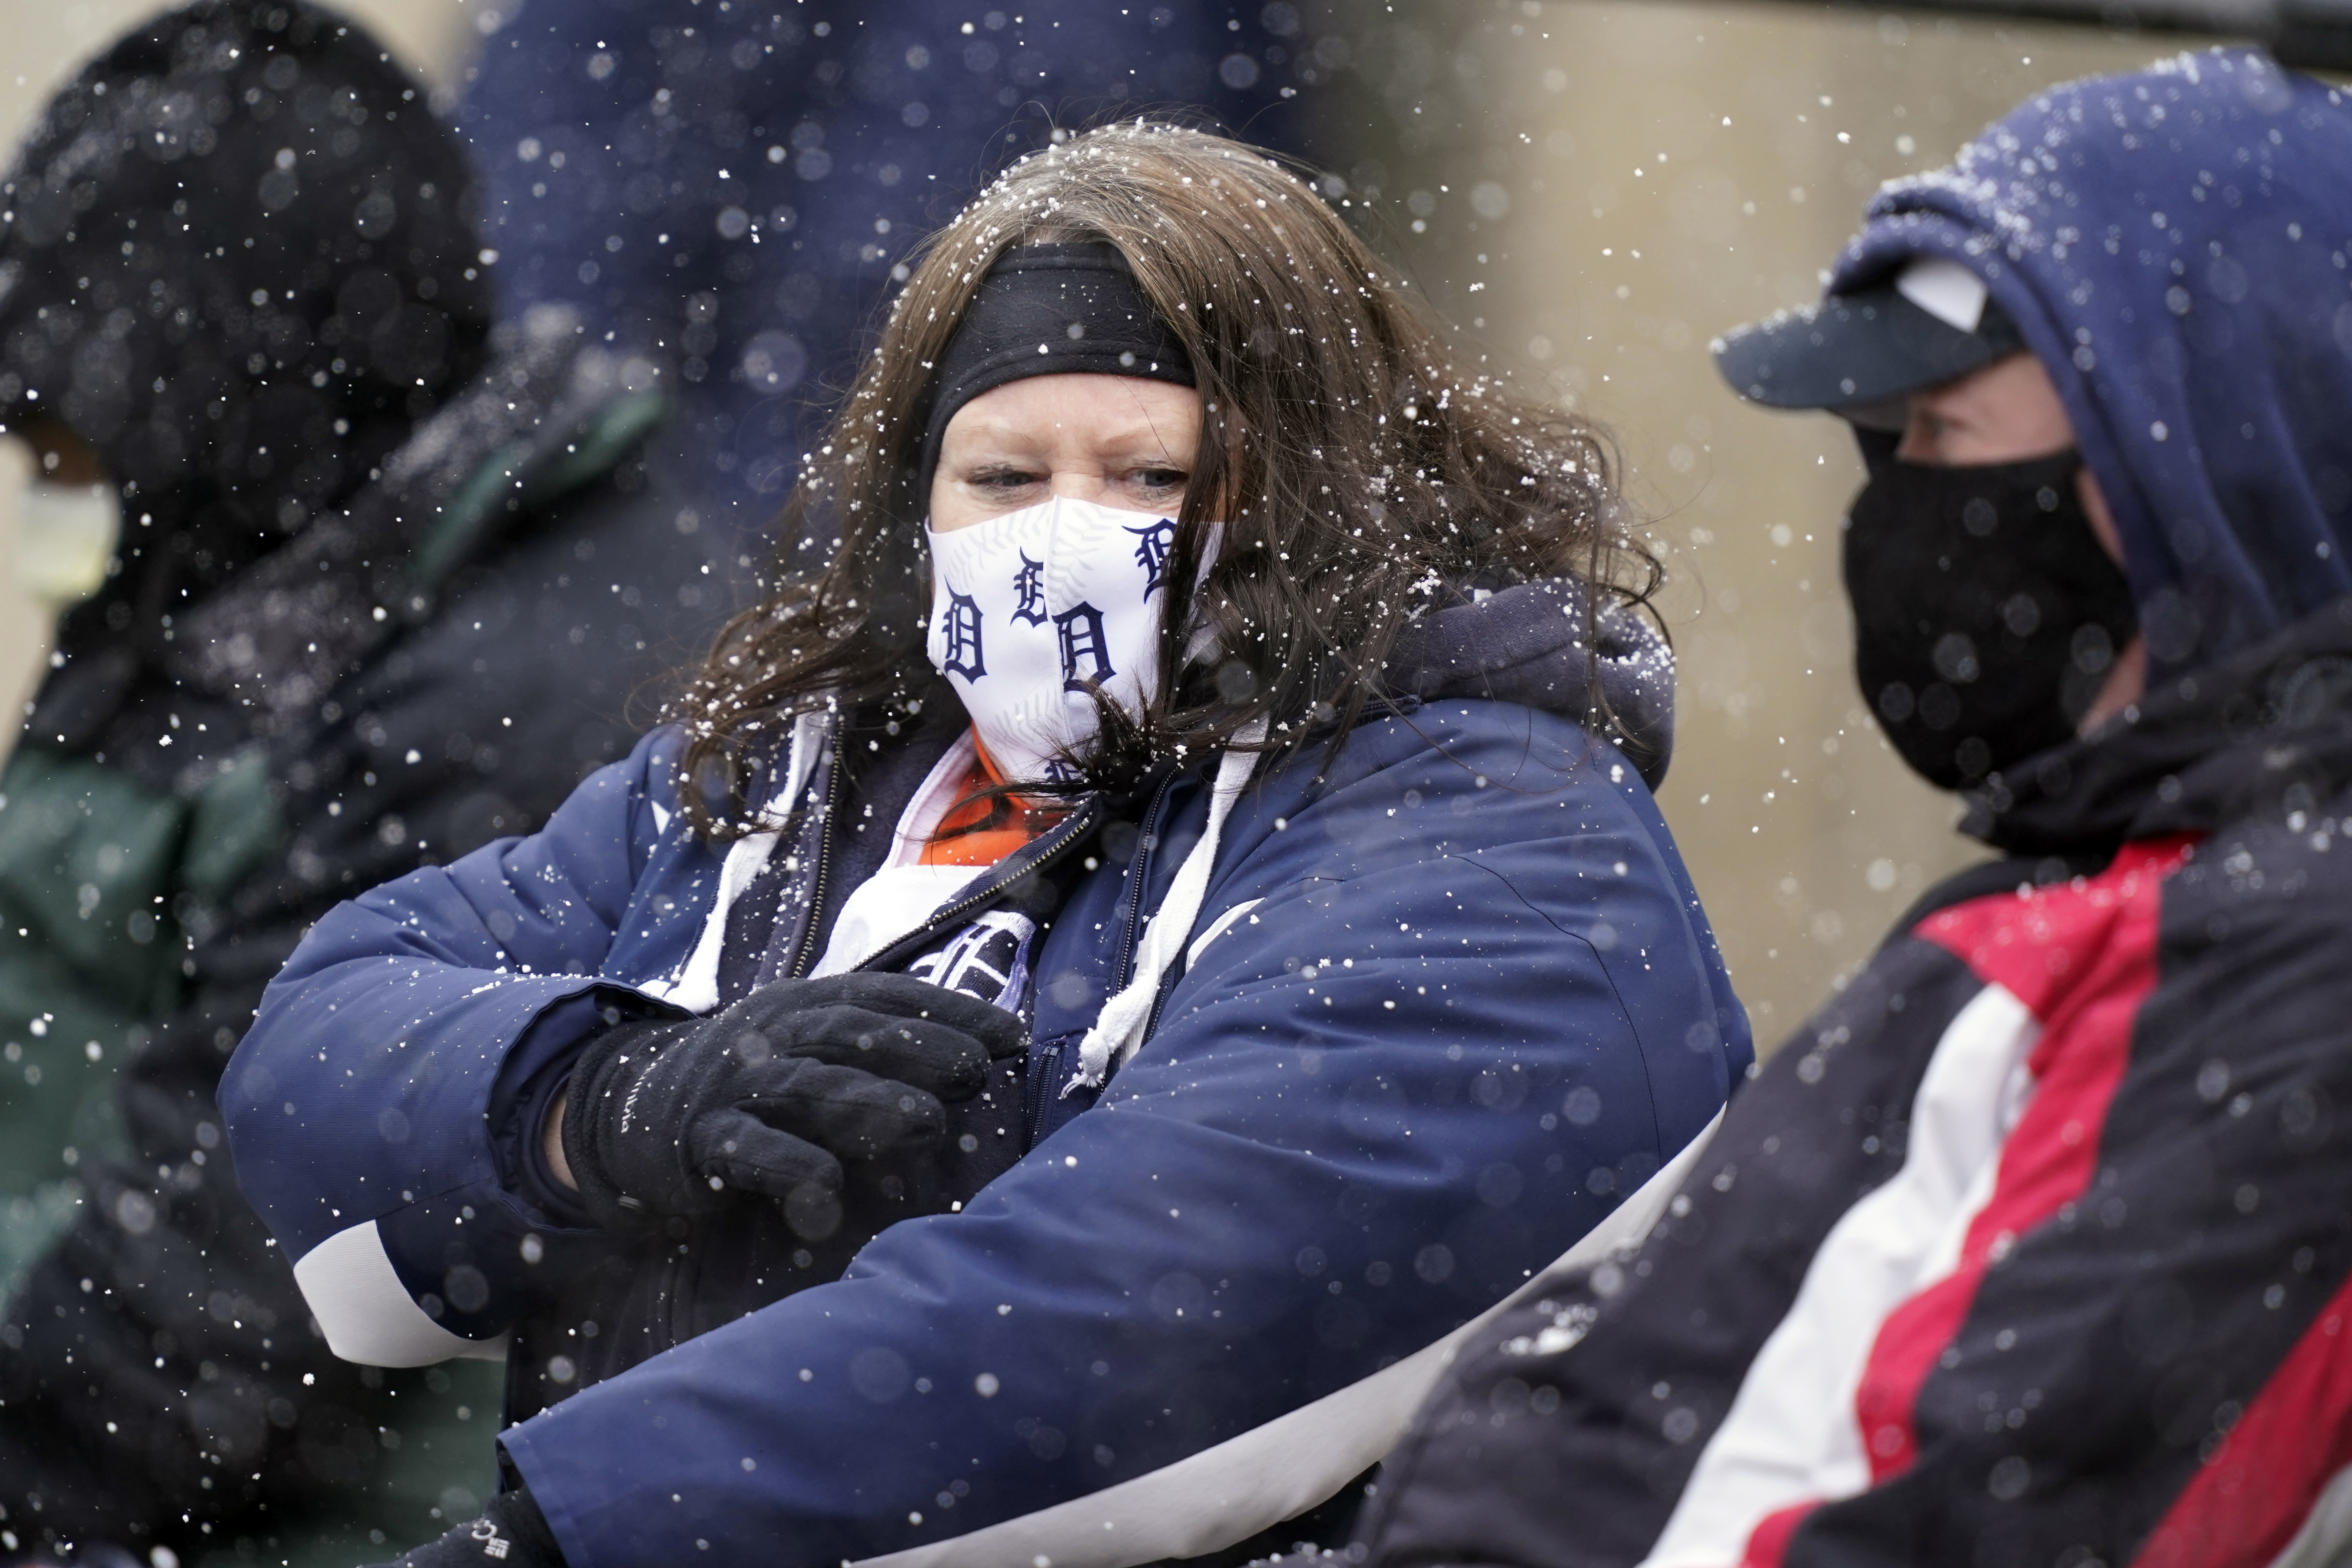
{"x": 1050, "y": 310}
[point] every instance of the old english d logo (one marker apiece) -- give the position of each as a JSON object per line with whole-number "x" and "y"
{"x": 963, "y": 654}
{"x": 1151, "y": 548}
{"x": 1086, "y": 653}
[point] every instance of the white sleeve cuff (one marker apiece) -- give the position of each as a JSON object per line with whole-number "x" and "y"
{"x": 367, "y": 1314}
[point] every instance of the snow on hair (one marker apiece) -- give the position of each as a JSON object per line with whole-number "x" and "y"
{"x": 1359, "y": 470}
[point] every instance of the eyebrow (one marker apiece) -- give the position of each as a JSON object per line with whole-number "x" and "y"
{"x": 1141, "y": 439}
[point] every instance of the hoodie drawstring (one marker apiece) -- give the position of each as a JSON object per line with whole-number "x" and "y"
{"x": 1118, "y": 1032}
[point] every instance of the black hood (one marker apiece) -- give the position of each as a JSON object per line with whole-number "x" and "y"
{"x": 235, "y": 259}
{"x": 2263, "y": 732}
{"x": 552, "y": 413}
{"x": 1530, "y": 645}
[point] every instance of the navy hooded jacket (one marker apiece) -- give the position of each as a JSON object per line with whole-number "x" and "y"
{"x": 1450, "y": 996}
{"x": 2032, "y": 1244}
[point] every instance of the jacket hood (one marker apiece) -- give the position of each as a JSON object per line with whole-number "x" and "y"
{"x": 1529, "y": 644}
{"x": 2173, "y": 245}
{"x": 234, "y": 258}
{"x": 552, "y": 413}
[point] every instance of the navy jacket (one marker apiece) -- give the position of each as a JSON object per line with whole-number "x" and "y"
{"x": 1449, "y": 997}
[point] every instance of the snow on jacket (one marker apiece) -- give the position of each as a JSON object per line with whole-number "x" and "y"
{"x": 1449, "y": 997}
{"x": 2034, "y": 1237}
{"x": 2031, "y": 1247}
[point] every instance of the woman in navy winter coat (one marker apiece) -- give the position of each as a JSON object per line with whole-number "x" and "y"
{"x": 1178, "y": 899}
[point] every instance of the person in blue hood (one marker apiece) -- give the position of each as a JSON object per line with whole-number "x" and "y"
{"x": 2031, "y": 1246}
{"x": 727, "y": 191}
{"x": 1169, "y": 922}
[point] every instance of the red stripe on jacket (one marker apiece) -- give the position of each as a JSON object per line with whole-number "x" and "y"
{"x": 2082, "y": 958}
{"x": 2248, "y": 1500}
{"x": 1767, "y": 1543}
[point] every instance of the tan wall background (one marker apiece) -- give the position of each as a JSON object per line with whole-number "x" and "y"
{"x": 1605, "y": 186}
{"x": 1601, "y": 188}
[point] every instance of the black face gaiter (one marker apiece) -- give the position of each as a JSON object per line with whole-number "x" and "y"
{"x": 1986, "y": 613}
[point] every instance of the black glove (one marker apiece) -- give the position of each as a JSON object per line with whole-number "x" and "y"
{"x": 772, "y": 1093}
{"x": 511, "y": 1533}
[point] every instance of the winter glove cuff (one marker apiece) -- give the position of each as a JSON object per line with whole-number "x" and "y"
{"x": 602, "y": 1073}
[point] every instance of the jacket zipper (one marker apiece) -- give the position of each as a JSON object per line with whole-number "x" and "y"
{"x": 807, "y": 953}
{"x": 1039, "y": 1090}
{"x": 1056, "y": 842}
{"x": 1072, "y": 830}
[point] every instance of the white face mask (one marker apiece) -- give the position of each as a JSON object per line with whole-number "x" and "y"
{"x": 1031, "y": 611}
{"x": 65, "y": 536}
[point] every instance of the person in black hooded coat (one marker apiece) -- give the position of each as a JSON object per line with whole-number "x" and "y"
{"x": 2031, "y": 1246}
{"x": 362, "y": 618}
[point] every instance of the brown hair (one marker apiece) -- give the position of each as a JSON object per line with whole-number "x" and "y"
{"x": 1360, "y": 475}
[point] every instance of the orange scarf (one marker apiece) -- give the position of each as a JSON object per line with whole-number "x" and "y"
{"x": 984, "y": 832}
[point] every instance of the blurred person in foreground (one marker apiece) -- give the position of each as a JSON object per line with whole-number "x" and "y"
{"x": 2032, "y": 1247}
{"x": 370, "y": 596}
{"x": 1089, "y": 971}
